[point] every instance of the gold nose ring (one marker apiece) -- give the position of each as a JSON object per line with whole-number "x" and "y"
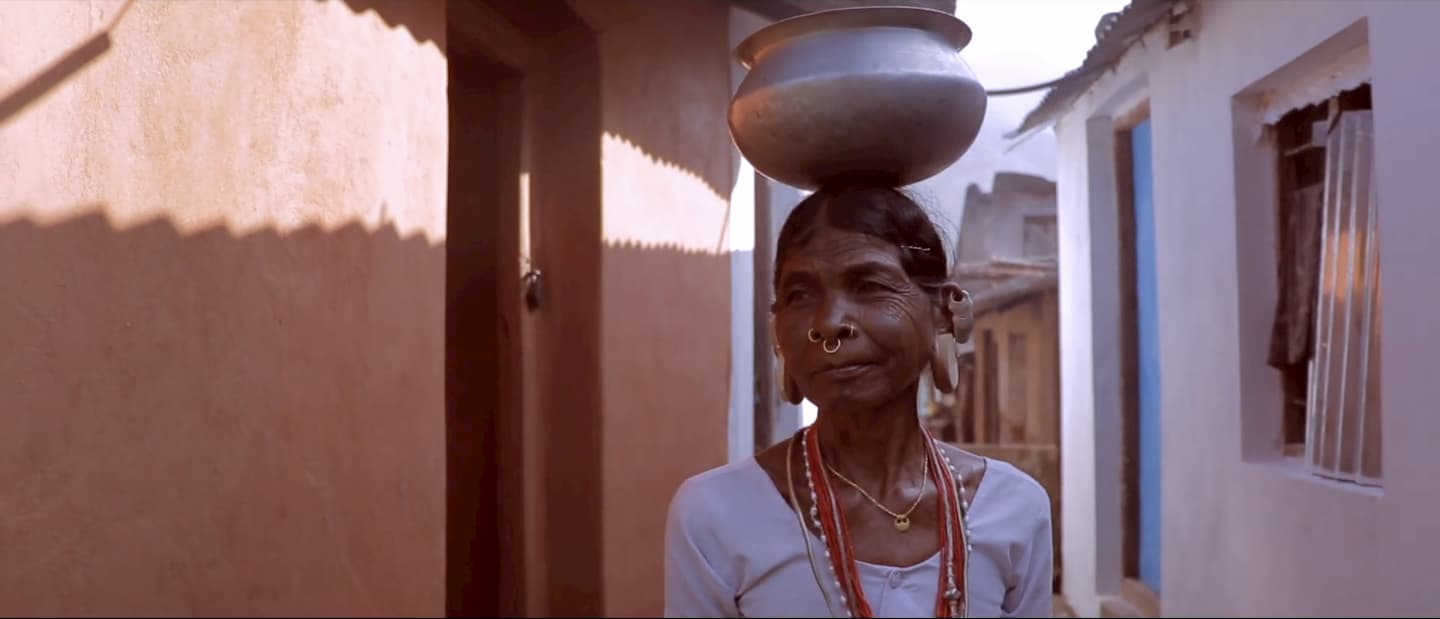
{"x": 813, "y": 335}
{"x": 828, "y": 348}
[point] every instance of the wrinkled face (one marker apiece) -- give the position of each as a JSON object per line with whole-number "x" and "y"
{"x": 839, "y": 280}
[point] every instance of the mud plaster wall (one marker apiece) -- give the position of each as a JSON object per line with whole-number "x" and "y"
{"x": 665, "y": 340}
{"x": 222, "y": 312}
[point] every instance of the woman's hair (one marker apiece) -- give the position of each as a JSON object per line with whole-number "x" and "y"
{"x": 883, "y": 212}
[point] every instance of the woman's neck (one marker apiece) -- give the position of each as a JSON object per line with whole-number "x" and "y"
{"x": 880, "y": 449}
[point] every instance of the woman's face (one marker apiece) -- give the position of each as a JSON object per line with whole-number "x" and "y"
{"x": 838, "y": 280}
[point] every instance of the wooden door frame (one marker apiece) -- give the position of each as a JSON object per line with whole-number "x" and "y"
{"x": 507, "y": 549}
{"x": 484, "y": 384}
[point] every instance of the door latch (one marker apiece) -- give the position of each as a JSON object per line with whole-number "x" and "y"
{"x": 534, "y": 289}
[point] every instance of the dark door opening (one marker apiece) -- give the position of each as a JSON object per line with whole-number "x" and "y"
{"x": 482, "y": 349}
{"x": 1140, "y": 364}
{"x": 523, "y": 378}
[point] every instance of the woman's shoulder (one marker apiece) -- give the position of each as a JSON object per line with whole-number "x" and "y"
{"x": 712, "y": 494}
{"x": 1012, "y": 490}
{"x": 1019, "y": 488}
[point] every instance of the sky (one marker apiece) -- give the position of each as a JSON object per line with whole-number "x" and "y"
{"x": 1015, "y": 43}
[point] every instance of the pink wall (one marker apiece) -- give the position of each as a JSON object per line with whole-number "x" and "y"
{"x": 223, "y": 301}
{"x": 221, "y": 312}
{"x": 665, "y": 331}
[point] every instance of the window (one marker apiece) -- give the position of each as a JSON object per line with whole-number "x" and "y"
{"x": 1039, "y": 236}
{"x": 1325, "y": 339}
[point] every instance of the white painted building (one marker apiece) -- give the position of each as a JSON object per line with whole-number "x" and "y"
{"x": 1182, "y": 470}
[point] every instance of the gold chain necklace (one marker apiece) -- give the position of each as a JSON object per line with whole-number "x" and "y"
{"x": 902, "y": 521}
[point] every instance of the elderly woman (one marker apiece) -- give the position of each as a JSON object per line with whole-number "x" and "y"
{"x": 863, "y": 513}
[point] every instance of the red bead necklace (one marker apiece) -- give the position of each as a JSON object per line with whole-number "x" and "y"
{"x": 825, "y": 512}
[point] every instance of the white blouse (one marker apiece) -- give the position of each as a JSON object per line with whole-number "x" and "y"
{"x": 733, "y": 548}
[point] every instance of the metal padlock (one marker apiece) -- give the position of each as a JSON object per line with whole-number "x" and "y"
{"x": 534, "y": 289}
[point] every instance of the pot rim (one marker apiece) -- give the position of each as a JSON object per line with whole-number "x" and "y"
{"x": 946, "y": 25}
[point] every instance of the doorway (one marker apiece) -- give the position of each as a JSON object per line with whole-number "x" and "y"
{"x": 1140, "y": 366}
{"x": 483, "y": 385}
{"x": 522, "y": 379}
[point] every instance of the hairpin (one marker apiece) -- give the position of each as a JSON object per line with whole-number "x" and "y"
{"x": 916, "y": 248}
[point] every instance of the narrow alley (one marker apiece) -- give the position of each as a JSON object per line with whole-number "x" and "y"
{"x": 430, "y": 307}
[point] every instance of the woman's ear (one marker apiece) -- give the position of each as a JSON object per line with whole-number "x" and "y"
{"x": 958, "y": 311}
{"x": 789, "y": 389}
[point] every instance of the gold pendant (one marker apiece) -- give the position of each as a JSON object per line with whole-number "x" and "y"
{"x": 902, "y": 523}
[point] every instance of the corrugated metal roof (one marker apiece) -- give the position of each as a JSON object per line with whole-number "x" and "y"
{"x": 1010, "y": 291}
{"x": 1114, "y": 36}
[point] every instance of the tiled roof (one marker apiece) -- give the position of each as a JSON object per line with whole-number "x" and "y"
{"x": 998, "y": 283}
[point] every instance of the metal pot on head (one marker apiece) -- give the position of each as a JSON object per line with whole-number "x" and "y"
{"x": 875, "y": 91}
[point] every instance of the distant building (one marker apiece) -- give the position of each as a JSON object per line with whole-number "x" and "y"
{"x": 1007, "y": 401}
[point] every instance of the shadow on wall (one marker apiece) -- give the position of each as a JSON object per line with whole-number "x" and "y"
{"x": 632, "y": 344}
{"x": 200, "y": 424}
{"x": 31, "y": 90}
{"x": 672, "y": 104}
{"x": 667, "y": 381}
{"x": 417, "y": 18}
{"x": 536, "y": 19}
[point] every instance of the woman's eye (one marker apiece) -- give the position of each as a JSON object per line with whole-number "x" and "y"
{"x": 796, "y": 295}
{"x": 869, "y": 287}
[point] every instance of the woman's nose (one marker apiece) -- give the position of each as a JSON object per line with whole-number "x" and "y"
{"x": 837, "y": 328}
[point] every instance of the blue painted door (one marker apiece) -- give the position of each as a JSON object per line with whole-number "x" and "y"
{"x": 1148, "y": 355}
